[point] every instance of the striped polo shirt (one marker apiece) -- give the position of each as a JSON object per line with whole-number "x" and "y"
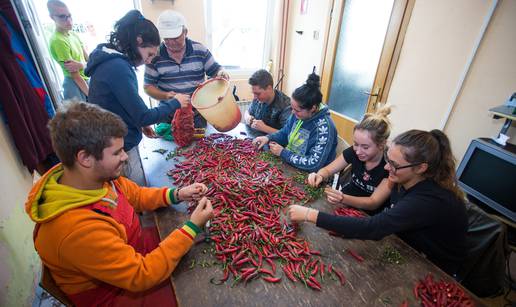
{"x": 168, "y": 75}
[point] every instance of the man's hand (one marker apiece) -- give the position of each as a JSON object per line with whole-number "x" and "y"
{"x": 276, "y": 148}
{"x": 183, "y": 99}
{"x": 260, "y": 141}
{"x": 223, "y": 74}
{"x": 192, "y": 192}
{"x": 314, "y": 179}
{"x": 333, "y": 196}
{"x": 73, "y": 66}
{"x": 259, "y": 125}
{"x": 202, "y": 213}
{"x": 248, "y": 118}
{"x": 149, "y": 132}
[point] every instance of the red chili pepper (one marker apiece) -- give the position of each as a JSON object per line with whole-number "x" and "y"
{"x": 272, "y": 279}
{"x": 355, "y": 255}
{"x": 313, "y": 286}
{"x": 226, "y": 275}
{"x": 340, "y": 275}
{"x": 271, "y": 263}
{"x": 242, "y": 261}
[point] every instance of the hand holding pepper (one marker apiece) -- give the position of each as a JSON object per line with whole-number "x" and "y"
{"x": 333, "y": 196}
{"x": 202, "y": 213}
{"x": 299, "y": 213}
{"x": 184, "y": 100}
{"x": 260, "y": 141}
{"x": 275, "y": 148}
{"x": 248, "y": 118}
{"x": 259, "y": 125}
{"x": 192, "y": 192}
{"x": 314, "y": 179}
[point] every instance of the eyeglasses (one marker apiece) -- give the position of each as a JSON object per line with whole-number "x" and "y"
{"x": 394, "y": 165}
{"x": 63, "y": 16}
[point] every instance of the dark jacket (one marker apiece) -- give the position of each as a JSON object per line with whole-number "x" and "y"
{"x": 114, "y": 87}
{"x": 313, "y": 146}
{"x": 426, "y": 216}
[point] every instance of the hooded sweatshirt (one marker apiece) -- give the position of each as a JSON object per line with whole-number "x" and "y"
{"x": 309, "y": 144}
{"x": 114, "y": 87}
{"x": 82, "y": 247}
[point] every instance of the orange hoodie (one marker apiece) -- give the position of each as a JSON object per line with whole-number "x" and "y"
{"x": 80, "y": 246}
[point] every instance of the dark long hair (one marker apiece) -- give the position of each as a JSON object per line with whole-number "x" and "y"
{"x": 128, "y": 29}
{"x": 434, "y": 149}
{"x": 309, "y": 94}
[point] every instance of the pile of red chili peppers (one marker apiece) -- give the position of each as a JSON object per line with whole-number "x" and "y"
{"x": 183, "y": 126}
{"x": 249, "y": 197}
{"x": 346, "y": 212}
{"x": 440, "y": 293}
{"x": 349, "y": 212}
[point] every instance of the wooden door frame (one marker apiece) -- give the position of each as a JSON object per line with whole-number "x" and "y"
{"x": 398, "y": 24}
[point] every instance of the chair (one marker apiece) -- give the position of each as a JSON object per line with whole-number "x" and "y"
{"x": 48, "y": 284}
{"x": 483, "y": 271}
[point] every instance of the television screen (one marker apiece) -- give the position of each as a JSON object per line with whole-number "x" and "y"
{"x": 488, "y": 172}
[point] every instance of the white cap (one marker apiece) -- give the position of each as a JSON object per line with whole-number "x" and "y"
{"x": 171, "y": 24}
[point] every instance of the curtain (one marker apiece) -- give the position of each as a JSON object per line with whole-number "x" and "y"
{"x": 25, "y": 103}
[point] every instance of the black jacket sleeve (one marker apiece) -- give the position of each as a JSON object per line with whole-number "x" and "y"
{"x": 409, "y": 213}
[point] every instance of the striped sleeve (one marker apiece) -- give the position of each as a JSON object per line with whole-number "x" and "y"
{"x": 210, "y": 65}
{"x": 190, "y": 230}
{"x": 169, "y": 197}
{"x": 151, "y": 75}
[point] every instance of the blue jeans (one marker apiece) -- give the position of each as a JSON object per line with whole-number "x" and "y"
{"x": 71, "y": 90}
{"x": 133, "y": 168}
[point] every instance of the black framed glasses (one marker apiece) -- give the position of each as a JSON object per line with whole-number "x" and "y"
{"x": 63, "y": 16}
{"x": 394, "y": 165}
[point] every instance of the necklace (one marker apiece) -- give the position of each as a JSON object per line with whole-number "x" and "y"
{"x": 366, "y": 176}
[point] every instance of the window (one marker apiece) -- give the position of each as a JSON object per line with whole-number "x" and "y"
{"x": 239, "y": 33}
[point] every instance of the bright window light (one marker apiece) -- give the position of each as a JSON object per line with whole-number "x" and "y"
{"x": 238, "y": 33}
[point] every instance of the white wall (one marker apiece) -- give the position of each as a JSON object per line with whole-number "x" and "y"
{"x": 439, "y": 40}
{"x": 492, "y": 79}
{"x": 303, "y": 50}
{"x": 193, "y": 10}
{"x": 19, "y": 263}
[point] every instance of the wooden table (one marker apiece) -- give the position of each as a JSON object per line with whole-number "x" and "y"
{"x": 369, "y": 283}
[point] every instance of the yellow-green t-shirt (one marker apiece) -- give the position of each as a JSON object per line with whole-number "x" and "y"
{"x": 67, "y": 47}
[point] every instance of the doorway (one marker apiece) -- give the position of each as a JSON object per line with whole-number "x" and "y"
{"x": 364, "y": 42}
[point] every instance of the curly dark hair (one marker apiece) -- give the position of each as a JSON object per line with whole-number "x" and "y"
{"x": 128, "y": 29}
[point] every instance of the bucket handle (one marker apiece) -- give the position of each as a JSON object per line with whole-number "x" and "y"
{"x": 219, "y": 99}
